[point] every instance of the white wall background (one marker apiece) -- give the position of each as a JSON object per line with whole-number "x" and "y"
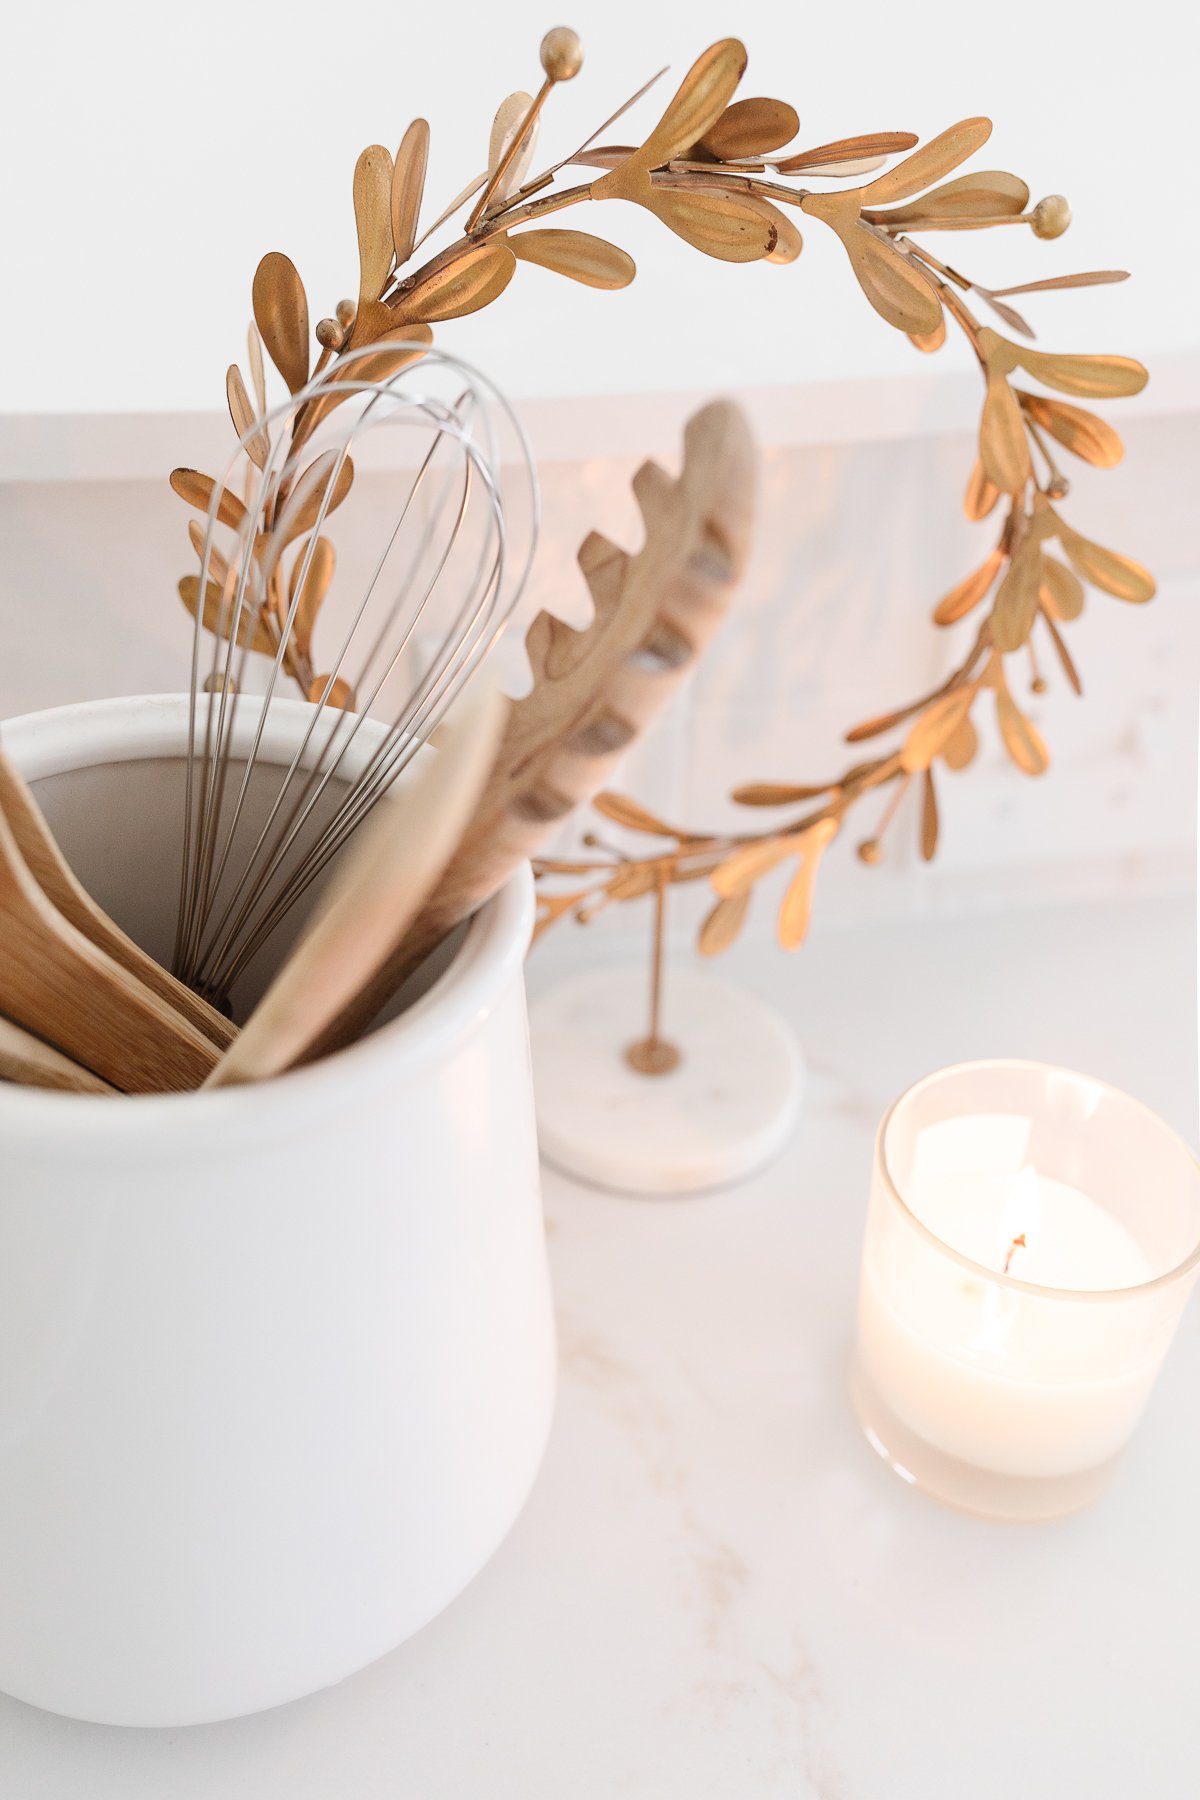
{"x": 153, "y": 152}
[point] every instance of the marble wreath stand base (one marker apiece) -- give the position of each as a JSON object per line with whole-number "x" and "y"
{"x": 705, "y": 1099}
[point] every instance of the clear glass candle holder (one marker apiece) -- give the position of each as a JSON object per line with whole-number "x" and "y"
{"x": 1032, "y": 1239}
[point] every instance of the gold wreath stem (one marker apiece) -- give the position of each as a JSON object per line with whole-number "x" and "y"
{"x": 871, "y": 217}
{"x": 511, "y": 216}
{"x": 932, "y": 262}
{"x": 499, "y": 222}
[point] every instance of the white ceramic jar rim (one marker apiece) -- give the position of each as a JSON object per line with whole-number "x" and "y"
{"x": 1088, "y": 1296}
{"x": 95, "y": 732}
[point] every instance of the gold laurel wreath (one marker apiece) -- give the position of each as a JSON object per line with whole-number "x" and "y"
{"x": 710, "y": 171}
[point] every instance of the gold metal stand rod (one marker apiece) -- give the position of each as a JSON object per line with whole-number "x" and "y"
{"x": 653, "y": 1055}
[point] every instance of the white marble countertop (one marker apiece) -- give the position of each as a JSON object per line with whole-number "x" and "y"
{"x": 717, "y": 1591}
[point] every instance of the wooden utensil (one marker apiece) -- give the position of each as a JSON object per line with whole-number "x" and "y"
{"x": 596, "y": 691}
{"x": 396, "y": 858}
{"x": 57, "y": 984}
{"x": 26, "y": 1059}
{"x": 50, "y": 869}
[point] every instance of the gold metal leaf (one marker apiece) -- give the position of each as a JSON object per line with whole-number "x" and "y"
{"x": 796, "y": 911}
{"x": 875, "y": 727}
{"x": 750, "y": 128}
{"x": 460, "y": 199}
{"x": 1022, "y": 739}
{"x": 605, "y": 156}
{"x": 1012, "y": 318}
{"x": 981, "y": 495}
{"x": 929, "y": 341}
{"x": 1003, "y": 445}
{"x": 373, "y": 216}
{"x": 473, "y": 280}
{"x": 1081, "y": 432}
{"x": 788, "y": 240}
{"x": 966, "y": 596}
{"x": 408, "y": 186}
{"x": 749, "y": 864}
{"x": 312, "y": 595}
{"x": 935, "y": 159}
{"x": 1061, "y": 591}
{"x": 577, "y": 254}
{"x": 1089, "y": 278}
{"x": 281, "y": 314}
{"x": 634, "y": 817}
{"x": 1116, "y": 575}
{"x": 984, "y": 194}
{"x": 958, "y": 751}
{"x": 775, "y": 793}
{"x": 218, "y": 617}
{"x": 301, "y": 511}
{"x": 198, "y": 491}
{"x": 218, "y": 568}
{"x": 938, "y": 722}
{"x": 702, "y": 97}
{"x": 244, "y": 419}
{"x": 719, "y": 224}
{"x": 1016, "y": 603}
{"x": 893, "y": 284}
{"x": 510, "y": 115}
{"x": 863, "y": 165}
{"x": 929, "y": 818}
{"x": 723, "y": 924}
{"x": 848, "y": 150}
{"x": 1091, "y": 377}
{"x": 372, "y": 319}
{"x": 341, "y": 694}
{"x": 258, "y": 374}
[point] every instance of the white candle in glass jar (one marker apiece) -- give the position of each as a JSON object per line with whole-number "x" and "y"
{"x": 983, "y": 1371}
{"x": 1031, "y": 1241}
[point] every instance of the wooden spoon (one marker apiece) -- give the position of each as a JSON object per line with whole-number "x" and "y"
{"x": 57, "y": 984}
{"x": 26, "y": 1059}
{"x": 396, "y": 858}
{"x": 58, "y": 882}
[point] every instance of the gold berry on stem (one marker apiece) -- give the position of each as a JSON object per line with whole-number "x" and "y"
{"x": 561, "y": 54}
{"x": 1051, "y": 216}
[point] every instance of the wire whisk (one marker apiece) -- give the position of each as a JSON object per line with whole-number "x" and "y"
{"x": 453, "y": 516}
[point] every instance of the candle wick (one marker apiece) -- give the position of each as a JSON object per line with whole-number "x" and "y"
{"x": 1018, "y": 1243}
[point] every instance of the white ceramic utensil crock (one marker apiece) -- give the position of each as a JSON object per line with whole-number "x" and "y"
{"x": 276, "y": 1361}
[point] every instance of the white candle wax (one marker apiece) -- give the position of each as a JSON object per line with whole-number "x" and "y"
{"x": 1020, "y": 1383}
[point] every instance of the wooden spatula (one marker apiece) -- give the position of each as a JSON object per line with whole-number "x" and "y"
{"x": 57, "y": 984}
{"x": 27, "y": 1060}
{"x": 396, "y": 858}
{"x": 53, "y": 874}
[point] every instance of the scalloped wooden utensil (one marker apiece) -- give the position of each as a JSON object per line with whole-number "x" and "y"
{"x": 597, "y": 690}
